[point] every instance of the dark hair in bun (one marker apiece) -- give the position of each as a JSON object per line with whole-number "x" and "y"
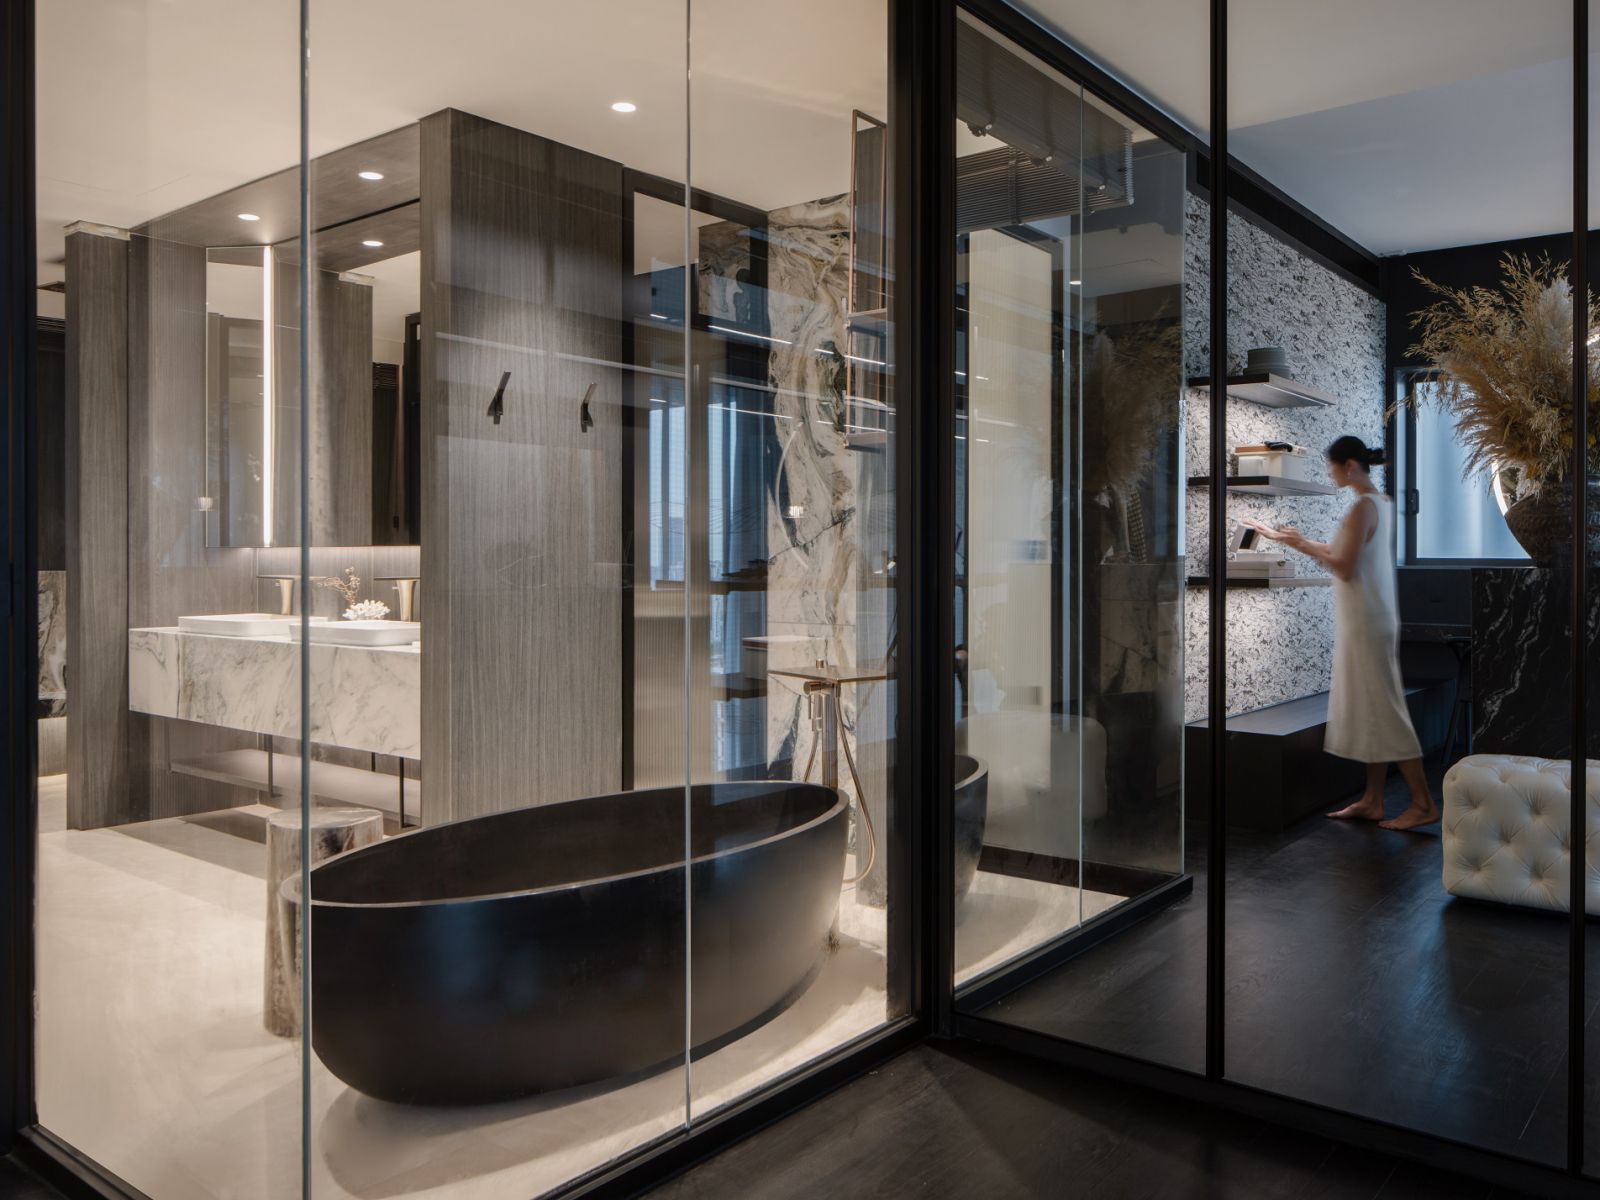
{"x": 1349, "y": 447}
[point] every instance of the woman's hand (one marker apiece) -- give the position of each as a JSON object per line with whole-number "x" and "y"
{"x": 1292, "y": 538}
{"x": 1287, "y": 534}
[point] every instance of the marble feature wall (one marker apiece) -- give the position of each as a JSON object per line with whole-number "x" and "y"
{"x": 1521, "y": 662}
{"x": 1280, "y": 642}
{"x": 52, "y": 643}
{"x": 825, "y": 599}
{"x": 810, "y": 512}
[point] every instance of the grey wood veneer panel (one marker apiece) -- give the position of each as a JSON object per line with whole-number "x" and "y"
{"x": 338, "y": 194}
{"x": 341, "y": 412}
{"x": 171, "y": 570}
{"x": 522, "y": 272}
{"x": 98, "y": 774}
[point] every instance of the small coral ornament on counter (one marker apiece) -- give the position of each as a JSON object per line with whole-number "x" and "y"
{"x": 367, "y": 610}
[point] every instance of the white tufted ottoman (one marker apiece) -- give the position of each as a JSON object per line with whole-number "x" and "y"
{"x": 1505, "y": 827}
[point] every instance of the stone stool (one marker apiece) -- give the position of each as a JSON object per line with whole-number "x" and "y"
{"x": 333, "y": 831}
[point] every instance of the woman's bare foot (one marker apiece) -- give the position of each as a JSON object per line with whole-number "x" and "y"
{"x": 1368, "y": 808}
{"x": 1414, "y": 817}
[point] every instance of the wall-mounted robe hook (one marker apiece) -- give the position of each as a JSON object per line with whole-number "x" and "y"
{"x": 497, "y": 406}
{"x": 585, "y": 419}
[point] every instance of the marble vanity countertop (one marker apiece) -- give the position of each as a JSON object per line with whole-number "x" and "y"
{"x": 362, "y": 697}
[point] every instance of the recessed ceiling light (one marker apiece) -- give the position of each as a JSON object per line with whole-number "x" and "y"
{"x": 373, "y": 242}
{"x": 1075, "y": 282}
{"x": 248, "y": 217}
{"x": 624, "y": 106}
{"x": 372, "y": 175}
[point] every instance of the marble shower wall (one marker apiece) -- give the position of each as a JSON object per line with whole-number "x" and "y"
{"x": 829, "y": 509}
{"x": 811, "y": 509}
{"x": 52, "y": 643}
{"x": 1280, "y": 642}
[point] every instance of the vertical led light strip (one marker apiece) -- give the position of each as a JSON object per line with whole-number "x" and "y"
{"x": 267, "y": 323}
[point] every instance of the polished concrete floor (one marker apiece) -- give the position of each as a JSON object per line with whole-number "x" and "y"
{"x": 1353, "y": 981}
{"x": 967, "y": 1121}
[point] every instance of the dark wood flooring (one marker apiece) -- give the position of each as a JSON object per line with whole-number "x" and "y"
{"x": 1355, "y": 982}
{"x": 18, "y": 1182}
{"x": 970, "y": 1121}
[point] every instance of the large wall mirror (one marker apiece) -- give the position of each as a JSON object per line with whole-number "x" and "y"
{"x": 364, "y": 323}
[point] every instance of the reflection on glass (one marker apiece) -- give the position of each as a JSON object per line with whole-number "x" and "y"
{"x": 1070, "y": 355}
{"x": 790, "y": 493}
{"x": 167, "y": 1042}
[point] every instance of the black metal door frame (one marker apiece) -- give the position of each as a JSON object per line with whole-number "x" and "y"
{"x": 18, "y": 594}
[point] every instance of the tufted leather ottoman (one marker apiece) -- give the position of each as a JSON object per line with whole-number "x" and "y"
{"x": 1505, "y": 830}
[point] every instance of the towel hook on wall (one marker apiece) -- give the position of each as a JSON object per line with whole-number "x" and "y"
{"x": 585, "y": 418}
{"x": 497, "y": 406}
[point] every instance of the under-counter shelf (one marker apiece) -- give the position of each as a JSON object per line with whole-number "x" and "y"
{"x": 1269, "y": 485}
{"x": 1291, "y": 581}
{"x": 330, "y": 782}
{"x": 1268, "y": 390}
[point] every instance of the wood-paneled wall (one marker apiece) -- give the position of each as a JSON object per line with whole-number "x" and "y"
{"x": 522, "y": 271}
{"x": 98, "y": 770}
{"x": 341, "y": 412}
{"x": 171, "y": 570}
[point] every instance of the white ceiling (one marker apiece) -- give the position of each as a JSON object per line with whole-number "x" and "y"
{"x": 1408, "y": 124}
{"x": 148, "y": 105}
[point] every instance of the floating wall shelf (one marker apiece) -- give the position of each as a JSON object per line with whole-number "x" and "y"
{"x": 1293, "y": 581}
{"x": 1268, "y": 390}
{"x": 1269, "y": 485}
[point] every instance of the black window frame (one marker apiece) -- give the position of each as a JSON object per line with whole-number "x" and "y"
{"x": 1403, "y": 484}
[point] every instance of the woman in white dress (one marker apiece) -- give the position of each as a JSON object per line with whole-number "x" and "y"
{"x": 1367, "y": 717}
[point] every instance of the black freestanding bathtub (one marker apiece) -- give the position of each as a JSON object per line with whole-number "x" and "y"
{"x": 521, "y": 952}
{"x": 971, "y": 814}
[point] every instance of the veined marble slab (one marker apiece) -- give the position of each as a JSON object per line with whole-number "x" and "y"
{"x": 52, "y": 643}
{"x": 362, "y": 697}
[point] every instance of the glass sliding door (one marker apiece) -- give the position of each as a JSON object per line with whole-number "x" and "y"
{"x": 1399, "y": 975}
{"x": 1068, "y": 800}
{"x": 470, "y": 623}
{"x": 168, "y": 1032}
{"x": 790, "y": 497}
{"x": 500, "y": 990}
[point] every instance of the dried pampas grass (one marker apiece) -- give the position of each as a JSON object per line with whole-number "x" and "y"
{"x": 1136, "y": 373}
{"x": 1504, "y": 363}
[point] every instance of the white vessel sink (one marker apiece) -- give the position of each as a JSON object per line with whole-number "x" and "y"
{"x": 363, "y": 633}
{"x": 241, "y": 624}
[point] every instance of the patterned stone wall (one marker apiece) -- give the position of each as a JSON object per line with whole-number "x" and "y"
{"x": 1280, "y": 642}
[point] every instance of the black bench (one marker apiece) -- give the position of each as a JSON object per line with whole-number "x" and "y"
{"x": 1278, "y": 771}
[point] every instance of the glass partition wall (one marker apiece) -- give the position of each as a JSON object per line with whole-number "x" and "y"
{"x": 1070, "y": 252}
{"x": 1413, "y": 965}
{"x": 480, "y": 586}
{"x": 470, "y": 595}
{"x": 1395, "y": 976}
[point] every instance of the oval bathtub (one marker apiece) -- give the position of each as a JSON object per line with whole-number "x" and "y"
{"x": 971, "y": 815}
{"x": 521, "y": 952}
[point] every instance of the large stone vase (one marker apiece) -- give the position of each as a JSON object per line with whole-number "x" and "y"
{"x": 1542, "y": 524}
